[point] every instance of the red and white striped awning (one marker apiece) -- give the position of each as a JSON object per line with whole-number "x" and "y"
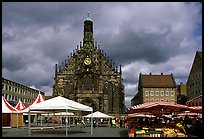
{"x": 158, "y": 108}
{"x": 20, "y": 105}
{"x": 140, "y": 115}
{"x": 196, "y": 109}
{"x": 6, "y": 107}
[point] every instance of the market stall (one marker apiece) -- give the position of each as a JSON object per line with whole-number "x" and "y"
{"x": 11, "y": 117}
{"x": 156, "y": 126}
{"x": 99, "y": 116}
{"x": 59, "y": 104}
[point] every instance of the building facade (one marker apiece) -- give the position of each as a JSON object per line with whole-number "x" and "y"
{"x": 89, "y": 77}
{"x": 197, "y": 101}
{"x": 155, "y": 88}
{"x": 182, "y": 89}
{"x": 194, "y": 82}
{"x": 13, "y": 91}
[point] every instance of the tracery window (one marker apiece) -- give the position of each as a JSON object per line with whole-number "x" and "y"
{"x": 87, "y": 83}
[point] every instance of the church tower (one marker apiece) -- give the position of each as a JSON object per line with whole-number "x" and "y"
{"x": 88, "y": 30}
{"x": 90, "y": 77}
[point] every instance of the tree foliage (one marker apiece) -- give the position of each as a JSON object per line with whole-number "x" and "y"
{"x": 181, "y": 99}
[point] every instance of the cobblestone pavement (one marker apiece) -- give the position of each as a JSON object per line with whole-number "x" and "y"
{"x": 76, "y": 131}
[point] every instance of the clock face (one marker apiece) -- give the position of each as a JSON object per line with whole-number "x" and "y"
{"x": 87, "y": 61}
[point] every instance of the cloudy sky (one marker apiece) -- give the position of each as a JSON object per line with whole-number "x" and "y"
{"x": 142, "y": 37}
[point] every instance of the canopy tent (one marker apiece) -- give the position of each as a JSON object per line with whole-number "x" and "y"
{"x": 36, "y": 101}
{"x": 158, "y": 108}
{"x": 59, "y": 104}
{"x": 20, "y": 105}
{"x": 59, "y": 113}
{"x": 98, "y": 114}
{"x": 10, "y": 115}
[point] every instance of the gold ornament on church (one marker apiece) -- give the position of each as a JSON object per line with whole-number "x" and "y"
{"x": 87, "y": 61}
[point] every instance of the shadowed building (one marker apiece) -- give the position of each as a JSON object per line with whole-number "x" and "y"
{"x": 155, "y": 88}
{"x": 194, "y": 82}
{"x": 89, "y": 76}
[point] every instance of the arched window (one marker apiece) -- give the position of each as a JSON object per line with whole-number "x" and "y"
{"x": 87, "y": 83}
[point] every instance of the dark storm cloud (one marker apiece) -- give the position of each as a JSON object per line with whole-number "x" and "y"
{"x": 129, "y": 46}
{"x": 40, "y": 14}
{"x": 142, "y": 37}
{"x": 9, "y": 64}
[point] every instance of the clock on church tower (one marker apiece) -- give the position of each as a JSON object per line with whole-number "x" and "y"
{"x": 87, "y": 61}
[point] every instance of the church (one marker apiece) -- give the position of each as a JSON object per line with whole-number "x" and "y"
{"x": 90, "y": 77}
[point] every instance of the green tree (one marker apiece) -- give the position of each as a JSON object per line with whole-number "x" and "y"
{"x": 181, "y": 99}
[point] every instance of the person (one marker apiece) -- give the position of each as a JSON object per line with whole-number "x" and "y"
{"x": 126, "y": 124}
{"x": 197, "y": 128}
{"x": 75, "y": 121}
{"x": 188, "y": 125}
{"x": 180, "y": 126}
{"x": 111, "y": 122}
{"x": 94, "y": 123}
{"x": 83, "y": 123}
{"x": 121, "y": 123}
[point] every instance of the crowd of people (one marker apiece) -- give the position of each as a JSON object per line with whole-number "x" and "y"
{"x": 189, "y": 126}
{"x": 118, "y": 123}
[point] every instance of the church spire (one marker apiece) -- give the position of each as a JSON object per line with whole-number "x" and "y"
{"x": 55, "y": 68}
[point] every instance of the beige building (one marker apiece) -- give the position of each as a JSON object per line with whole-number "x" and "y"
{"x": 194, "y": 82}
{"x": 182, "y": 89}
{"x": 155, "y": 88}
{"x": 13, "y": 91}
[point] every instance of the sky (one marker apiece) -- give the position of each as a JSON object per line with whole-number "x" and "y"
{"x": 142, "y": 37}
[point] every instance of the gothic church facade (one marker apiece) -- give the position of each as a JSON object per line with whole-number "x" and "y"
{"x": 89, "y": 77}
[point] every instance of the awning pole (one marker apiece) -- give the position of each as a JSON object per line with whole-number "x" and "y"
{"x": 66, "y": 122}
{"x": 61, "y": 119}
{"x": 29, "y": 122}
{"x": 92, "y": 122}
{"x": 17, "y": 121}
{"x": 41, "y": 120}
{"x": 69, "y": 118}
{"x": 54, "y": 120}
